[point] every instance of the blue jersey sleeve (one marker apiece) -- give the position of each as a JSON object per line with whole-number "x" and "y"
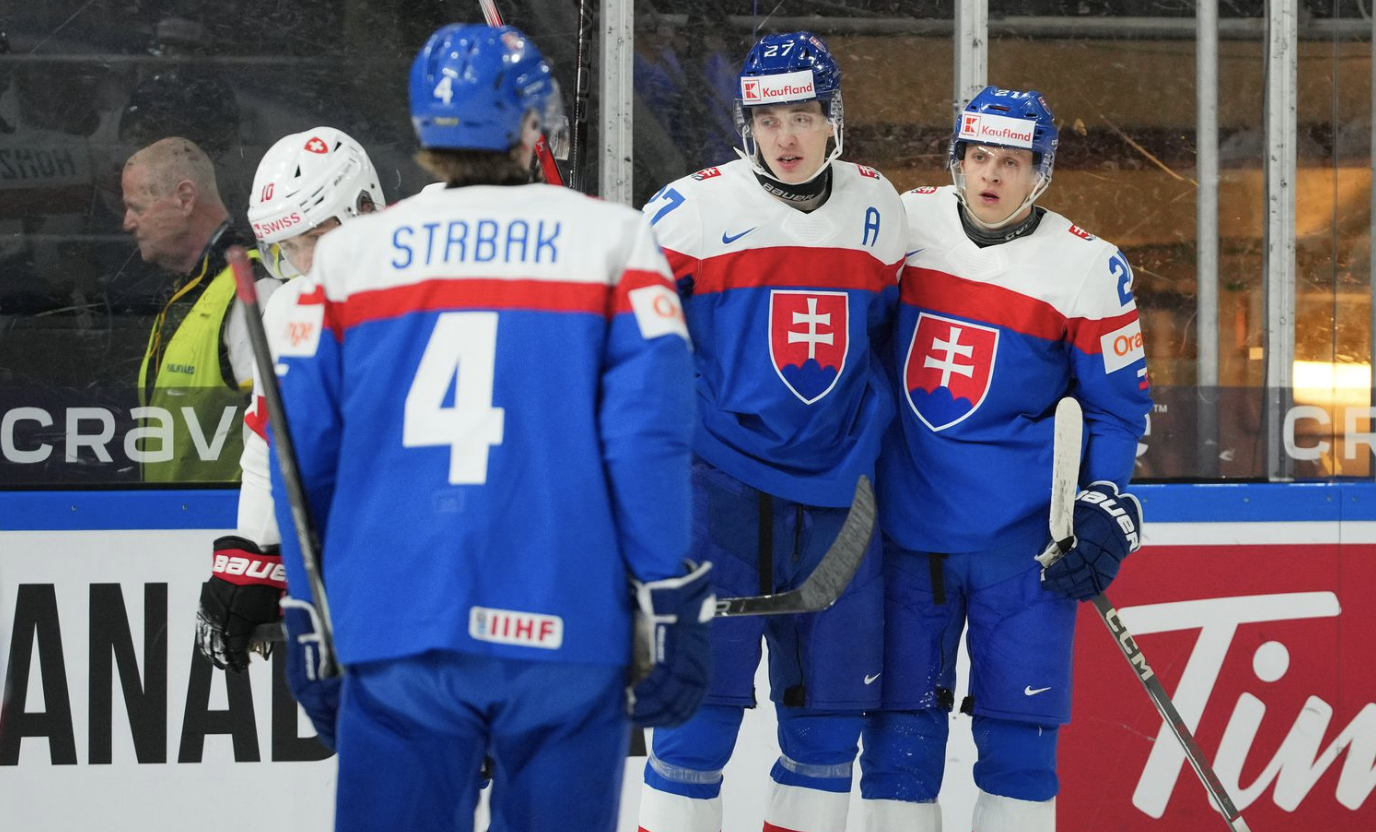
{"x": 308, "y": 367}
{"x": 1110, "y": 369}
{"x": 646, "y": 415}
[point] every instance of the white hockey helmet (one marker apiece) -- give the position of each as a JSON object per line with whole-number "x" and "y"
{"x": 304, "y": 180}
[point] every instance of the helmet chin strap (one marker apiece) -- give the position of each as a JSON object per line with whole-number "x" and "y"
{"x": 750, "y": 152}
{"x": 959, "y": 179}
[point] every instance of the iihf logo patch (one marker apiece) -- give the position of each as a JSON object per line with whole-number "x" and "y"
{"x": 948, "y": 369}
{"x": 808, "y": 339}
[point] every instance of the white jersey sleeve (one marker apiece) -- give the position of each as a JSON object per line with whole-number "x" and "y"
{"x": 256, "y": 519}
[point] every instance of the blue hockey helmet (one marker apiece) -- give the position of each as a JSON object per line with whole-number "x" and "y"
{"x": 472, "y": 85}
{"x": 1007, "y": 118}
{"x": 786, "y": 69}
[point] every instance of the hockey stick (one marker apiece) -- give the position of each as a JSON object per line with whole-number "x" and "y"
{"x": 582, "y": 90}
{"x": 1065, "y": 482}
{"x": 542, "y": 151}
{"x": 828, "y": 580}
{"x": 286, "y": 459}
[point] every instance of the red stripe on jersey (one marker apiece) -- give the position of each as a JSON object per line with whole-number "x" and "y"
{"x": 256, "y": 419}
{"x": 680, "y": 264}
{"x": 1005, "y": 308}
{"x": 466, "y": 293}
{"x": 633, "y": 279}
{"x": 815, "y": 268}
{"x": 1086, "y": 332}
{"x": 994, "y": 305}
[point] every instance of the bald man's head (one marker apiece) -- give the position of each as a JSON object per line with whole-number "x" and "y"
{"x": 172, "y": 160}
{"x": 172, "y": 205}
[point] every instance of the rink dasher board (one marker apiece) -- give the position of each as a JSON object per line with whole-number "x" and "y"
{"x": 134, "y": 562}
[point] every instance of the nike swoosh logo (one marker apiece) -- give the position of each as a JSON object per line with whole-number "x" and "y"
{"x": 1031, "y": 691}
{"x": 911, "y": 253}
{"x": 728, "y": 239}
{"x": 869, "y": 680}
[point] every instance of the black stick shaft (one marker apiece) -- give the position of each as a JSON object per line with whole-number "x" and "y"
{"x": 582, "y": 94}
{"x": 286, "y": 454}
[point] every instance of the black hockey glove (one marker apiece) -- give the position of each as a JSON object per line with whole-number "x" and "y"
{"x": 245, "y": 586}
{"x": 673, "y": 651}
{"x": 1108, "y": 528}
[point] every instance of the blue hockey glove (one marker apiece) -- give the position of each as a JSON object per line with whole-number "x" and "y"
{"x": 1108, "y": 528}
{"x": 673, "y": 654}
{"x": 318, "y": 696}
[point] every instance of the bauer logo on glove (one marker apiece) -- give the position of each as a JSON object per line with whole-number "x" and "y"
{"x": 1099, "y": 495}
{"x": 1107, "y": 529}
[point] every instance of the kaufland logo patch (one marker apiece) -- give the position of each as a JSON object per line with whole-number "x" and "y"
{"x": 996, "y": 130}
{"x": 791, "y": 86}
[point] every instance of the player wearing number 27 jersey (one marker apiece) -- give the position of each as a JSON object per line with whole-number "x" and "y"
{"x": 788, "y": 261}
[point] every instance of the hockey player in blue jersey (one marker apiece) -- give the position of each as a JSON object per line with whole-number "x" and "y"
{"x": 1005, "y": 308}
{"x": 490, "y": 393}
{"x": 788, "y": 262}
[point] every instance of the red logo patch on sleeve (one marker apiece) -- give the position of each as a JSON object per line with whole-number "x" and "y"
{"x": 706, "y": 173}
{"x": 867, "y": 171}
{"x": 1081, "y": 233}
{"x": 925, "y": 189}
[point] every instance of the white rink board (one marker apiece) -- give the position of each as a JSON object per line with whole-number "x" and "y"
{"x": 209, "y": 796}
{"x": 218, "y": 794}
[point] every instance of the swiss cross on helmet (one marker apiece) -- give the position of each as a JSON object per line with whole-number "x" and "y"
{"x": 472, "y": 85}
{"x": 305, "y": 180}
{"x": 786, "y": 69}
{"x": 1006, "y": 118}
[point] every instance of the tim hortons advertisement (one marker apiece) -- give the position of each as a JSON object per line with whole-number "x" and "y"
{"x": 1261, "y": 633}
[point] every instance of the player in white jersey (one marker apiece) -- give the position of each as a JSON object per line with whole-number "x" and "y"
{"x": 307, "y": 184}
{"x": 1005, "y": 309}
{"x": 788, "y": 262}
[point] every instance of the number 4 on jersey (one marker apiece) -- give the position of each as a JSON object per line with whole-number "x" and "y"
{"x": 460, "y": 356}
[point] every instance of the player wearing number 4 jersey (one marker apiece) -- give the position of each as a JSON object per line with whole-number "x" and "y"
{"x": 1005, "y": 308}
{"x": 491, "y": 400}
{"x": 788, "y": 260}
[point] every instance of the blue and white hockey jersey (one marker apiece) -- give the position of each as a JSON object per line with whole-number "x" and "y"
{"x": 989, "y": 339}
{"x": 784, "y": 308}
{"x": 490, "y": 393}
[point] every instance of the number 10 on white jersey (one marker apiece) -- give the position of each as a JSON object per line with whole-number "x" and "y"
{"x": 461, "y": 354}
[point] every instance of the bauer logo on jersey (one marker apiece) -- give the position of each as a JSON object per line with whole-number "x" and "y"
{"x": 1122, "y": 347}
{"x": 772, "y": 89}
{"x": 527, "y": 629}
{"x": 948, "y": 369}
{"x": 984, "y": 127}
{"x": 808, "y": 339}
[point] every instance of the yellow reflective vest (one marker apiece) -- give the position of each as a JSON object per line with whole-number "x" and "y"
{"x": 191, "y": 419}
